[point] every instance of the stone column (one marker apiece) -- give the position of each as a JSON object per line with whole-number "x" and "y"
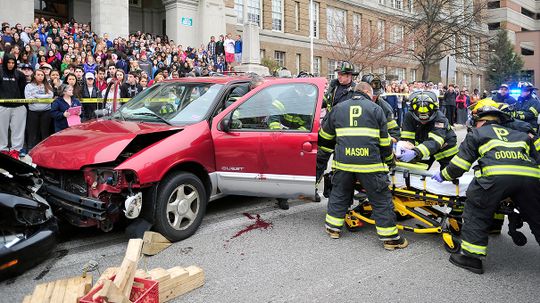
{"x": 20, "y": 11}
{"x": 213, "y": 23}
{"x": 112, "y": 17}
{"x": 182, "y": 21}
{"x": 251, "y": 51}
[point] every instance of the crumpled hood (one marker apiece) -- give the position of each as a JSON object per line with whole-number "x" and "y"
{"x": 94, "y": 142}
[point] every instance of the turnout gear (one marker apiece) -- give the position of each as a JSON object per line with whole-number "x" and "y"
{"x": 375, "y": 83}
{"x": 434, "y": 140}
{"x": 393, "y": 127}
{"x": 507, "y": 168}
{"x": 469, "y": 263}
{"x": 357, "y": 128}
{"x": 527, "y": 108}
{"x": 283, "y": 120}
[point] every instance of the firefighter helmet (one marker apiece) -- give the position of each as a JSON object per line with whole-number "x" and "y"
{"x": 424, "y": 106}
{"x": 491, "y": 113}
{"x": 346, "y": 68}
{"x": 375, "y": 83}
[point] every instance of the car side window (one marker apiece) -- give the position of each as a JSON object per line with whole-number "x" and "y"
{"x": 281, "y": 107}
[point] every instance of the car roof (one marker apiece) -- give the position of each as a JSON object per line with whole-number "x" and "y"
{"x": 230, "y": 79}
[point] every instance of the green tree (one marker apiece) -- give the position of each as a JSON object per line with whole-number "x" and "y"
{"x": 505, "y": 65}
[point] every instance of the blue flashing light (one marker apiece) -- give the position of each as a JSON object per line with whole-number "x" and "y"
{"x": 515, "y": 93}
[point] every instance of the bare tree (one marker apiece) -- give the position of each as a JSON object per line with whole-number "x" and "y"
{"x": 365, "y": 45}
{"x": 447, "y": 27}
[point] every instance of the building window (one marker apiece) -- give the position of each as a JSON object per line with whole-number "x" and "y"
{"x": 380, "y": 33}
{"x": 479, "y": 84}
{"x": 335, "y": 24}
{"x": 397, "y": 33}
{"x": 527, "y": 13}
{"x": 382, "y": 2}
{"x": 477, "y": 50}
{"x": 400, "y": 73}
{"x": 411, "y": 6}
{"x": 466, "y": 80}
{"x": 239, "y": 9}
{"x": 527, "y": 52}
{"x": 254, "y": 11}
{"x": 357, "y": 25}
{"x": 413, "y": 74}
{"x": 455, "y": 77}
{"x": 316, "y": 66}
{"x": 494, "y": 26}
{"x": 315, "y": 20}
{"x": 280, "y": 58}
{"x": 332, "y": 66}
{"x": 467, "y": 46}
{"x": 298, "y": 66}
{"x": 494, "y": 4}
{"x": 297, "y": 15}
{"x": 397, "y": 4}
{"x": 277, "y": 15}
{"x": 262, "y": 53}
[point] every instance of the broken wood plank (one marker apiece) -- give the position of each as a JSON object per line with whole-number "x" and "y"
{"x": 85, "y": 284}
{"x": 133, "y": 251}
{"x": 107, "y": 274}
{"x": 142, "y": 274}
{"x": 194, "y": 280}
{"x": 111, "y": 293}
{"x": 154, "y": 243}
{"x": 126, "y": 273}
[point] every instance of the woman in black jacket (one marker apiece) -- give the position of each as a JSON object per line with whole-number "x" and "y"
{"x": 89, "y": 90}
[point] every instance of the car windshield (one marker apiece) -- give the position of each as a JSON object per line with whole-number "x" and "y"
{"x": 175, "y": 103}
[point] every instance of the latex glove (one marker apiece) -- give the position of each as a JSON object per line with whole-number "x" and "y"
{"x": 437, "y": 177}
{"x": 407, "y": 155}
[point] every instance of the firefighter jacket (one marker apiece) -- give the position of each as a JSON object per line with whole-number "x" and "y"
{"x": 362, "y": 144}
{"x": 393, "y": 127}
{"x": 282, "y": 119}
{"x": 527, "y": 109}
{"x": 337, "y": 93}
{"x": 499, "y": 150}
{"x": 435, "y": 138}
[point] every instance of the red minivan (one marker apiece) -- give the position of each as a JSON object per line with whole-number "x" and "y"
{"x": 180, "y": 144}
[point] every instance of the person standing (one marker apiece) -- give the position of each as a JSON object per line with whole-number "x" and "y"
{"x": 211, "y": 48}
{"x": 449, "y": 104}
{"x": 357, "y": 130}
{"x": 131, "y": 87}
{"x": 508, "y": 168}
{"x": 527, "y": 106}
{"x": 228, "y": 44}
{"x": 12, "y": 115}
{"x": 89, "y": 90}
{"x": 60, "y": 106}
{"x": 461, "y": 103}
{"x": 238, "y": 49}
{"x": 39, "y": 119}
{"x": 503, "y": 95}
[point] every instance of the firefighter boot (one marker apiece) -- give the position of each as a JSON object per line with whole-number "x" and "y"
{"x": 283, "y": 203}
{"x": 401, "y": 242}
{"x": 334, "y": 233}
{"x": 469, "y": 263}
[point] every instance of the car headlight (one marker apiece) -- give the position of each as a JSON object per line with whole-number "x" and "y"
{"x": 30, "y": 216}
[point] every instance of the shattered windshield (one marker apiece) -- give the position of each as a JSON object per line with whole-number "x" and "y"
{"x": 175, "y": 103}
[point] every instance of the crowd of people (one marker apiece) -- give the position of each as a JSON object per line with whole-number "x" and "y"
{"x": 40, "y": 60}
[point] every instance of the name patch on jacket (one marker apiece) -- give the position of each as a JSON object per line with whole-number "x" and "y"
{"x": 357, "y": 152}
{"x": 439, "y": 124}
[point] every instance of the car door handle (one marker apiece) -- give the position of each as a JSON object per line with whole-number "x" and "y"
{"x": 307, "y": 147}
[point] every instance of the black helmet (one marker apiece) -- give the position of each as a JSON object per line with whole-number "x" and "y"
{"x": 424, "y": 106}
{"x": 304, "y": 74}
{"x": 491, "y": 113}
{"x": 375, "y": 83}
{"x": 346, "y": 68}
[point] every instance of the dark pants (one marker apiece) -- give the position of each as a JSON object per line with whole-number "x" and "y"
{"x": 322, "y": 164}
{"x": 378, "y": 193}
{"x": 450, "y": 113}
{"x": 38, "y": 125}
{"x": 483, "y": 197}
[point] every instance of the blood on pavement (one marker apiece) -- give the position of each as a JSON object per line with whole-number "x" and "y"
{"x": 259, "y": 224}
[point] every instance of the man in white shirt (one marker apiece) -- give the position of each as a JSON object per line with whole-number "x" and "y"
{"x": 228, "y": 44}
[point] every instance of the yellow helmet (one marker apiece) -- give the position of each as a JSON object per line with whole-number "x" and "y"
{"x": 481, "y": 103}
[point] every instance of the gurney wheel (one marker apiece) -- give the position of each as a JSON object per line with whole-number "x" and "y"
{"x": 456, "y": 249}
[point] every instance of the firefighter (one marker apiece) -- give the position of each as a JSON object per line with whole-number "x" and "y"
{"x": 428, "y": 130}
{"x": 507, "y": 168}
{"x": 378, "y": 91}
{"x": 527, "y": 106}
{"x": 356, "y": 130}
{"x": 339, "y": 90}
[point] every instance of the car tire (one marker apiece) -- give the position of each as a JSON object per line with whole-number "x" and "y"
{"x": 180, "y": 206}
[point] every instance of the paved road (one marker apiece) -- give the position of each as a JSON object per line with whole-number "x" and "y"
{"x": 289, "y": 258}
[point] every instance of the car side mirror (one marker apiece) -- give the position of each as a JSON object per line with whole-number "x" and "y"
{"x": 225, "y": 124}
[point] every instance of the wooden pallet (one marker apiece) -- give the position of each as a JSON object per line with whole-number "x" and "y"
{"x": 61, "y": 291}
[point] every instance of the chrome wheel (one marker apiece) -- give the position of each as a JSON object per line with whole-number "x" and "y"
{"x": 183, "y": 206}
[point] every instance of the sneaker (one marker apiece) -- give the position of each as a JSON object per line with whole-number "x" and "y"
{"x": 317, "y": 197}
{"x": 396, "y": 244}
{"x": 23, "y": 152}
{"x": 333, "y": 232}
{"x": 14, "y": 154}
{"x": 283, "y": 203}
{"x": 469, "y": 263}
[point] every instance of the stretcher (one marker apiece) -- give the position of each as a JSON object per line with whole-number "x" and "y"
{"x": 428, "y": 205}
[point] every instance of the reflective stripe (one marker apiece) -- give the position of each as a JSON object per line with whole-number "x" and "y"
{"x": 535, "y": 112}
{"x": 498, "y": 216}
{"x": 326, "y": 149}
{"x": 499, "y": 143}
{"x": 447, "y": 153}
{"x": 537, "y": 144}
{"x": 360, "y": 168}
{"x": 423, "y": 150}
{"x": 358, "y": 131}
{"x": 275, "y": 125}
{"x": 407, "y": 135}
{"x": 461, "y": 163}
{"x": 473, "y": 249}
{"x": 437, "y": 138}
{"x": 513, "y": 170}
{"x": 387, "y": 231}
{"x": 277, "y": 104}
{"x": 385, "y": 142}
{"x": 445, "y": 175}
{"x": 389, "y": 158}
{"x": 325, "y": 135}
{"x": 334, "y": 221}
{"x": 392, "y": 124}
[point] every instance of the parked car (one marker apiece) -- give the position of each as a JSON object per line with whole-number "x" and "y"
{"x": 27, "y": 225}
{"x": 178, "y": 145}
